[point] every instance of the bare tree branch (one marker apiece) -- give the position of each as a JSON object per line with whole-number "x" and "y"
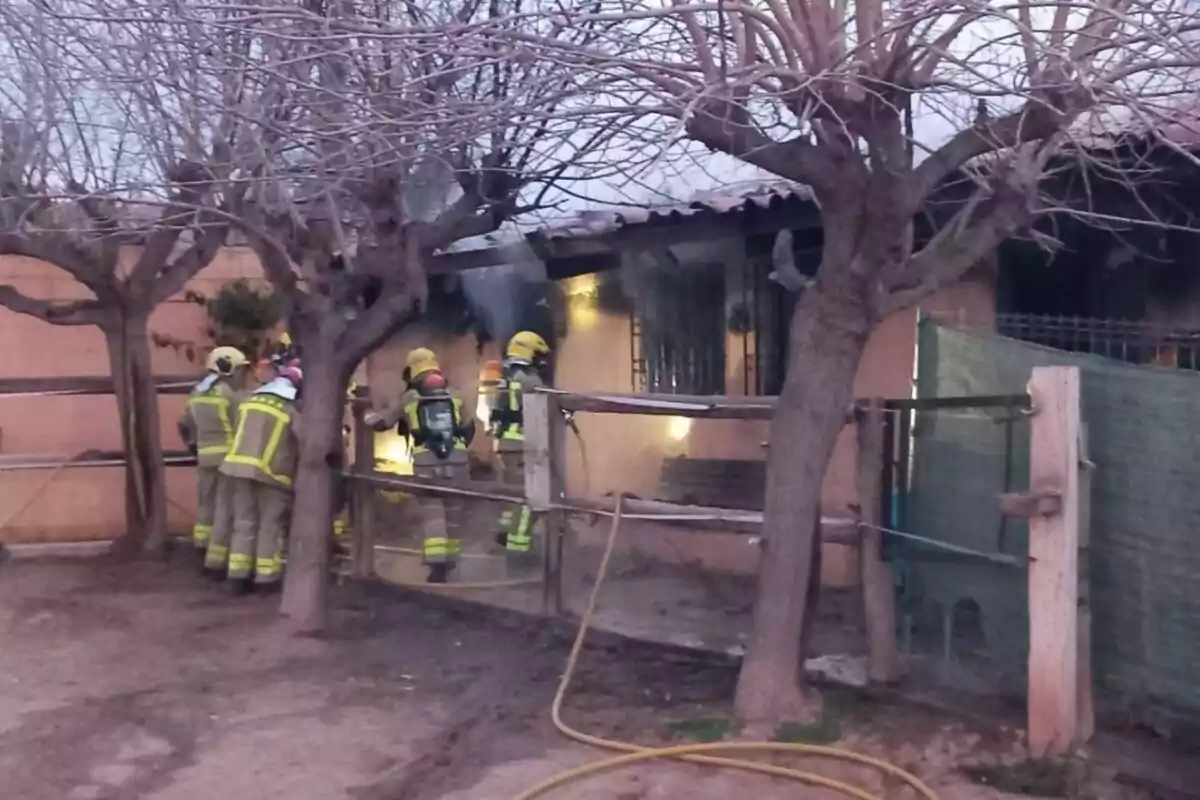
{"x": 79, "y": 312}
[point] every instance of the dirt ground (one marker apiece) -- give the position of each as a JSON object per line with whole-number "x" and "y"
{"x": 146, "y": 681}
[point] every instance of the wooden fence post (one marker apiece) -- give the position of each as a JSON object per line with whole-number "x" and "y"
{"x": 1054, "y": 541}
{"x": 362, "y": 496}
{"x": 878, "y": 584}
{"x": 543, "y": 483}
{"x": 1085, "y": 710}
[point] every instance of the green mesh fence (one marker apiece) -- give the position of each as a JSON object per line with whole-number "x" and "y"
{"x": 1144, "y": 438}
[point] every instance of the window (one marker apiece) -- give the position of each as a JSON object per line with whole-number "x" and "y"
{"x": 678, "y": 329}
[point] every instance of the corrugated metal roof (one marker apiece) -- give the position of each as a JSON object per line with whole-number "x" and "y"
{"x": 728, "y": 200}
{"x": 1108, "y": 126}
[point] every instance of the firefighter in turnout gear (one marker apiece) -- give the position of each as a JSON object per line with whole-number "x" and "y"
{"x": 262, "y": 464}
{"x": 432, "y": 417}
{"x": 525, "y": 361}
{"x": 207, "y": 427}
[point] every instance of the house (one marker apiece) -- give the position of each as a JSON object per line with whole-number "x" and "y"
{"x": 673, "y": 299}
{"x": 678, "y": 299}
{"x": 1114, "y": 274}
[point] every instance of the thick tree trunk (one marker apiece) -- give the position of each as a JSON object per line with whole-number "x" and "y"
{"x": 128, "y": 341}
{"x": 826, "y": 342}
{"x": 307, "y": 579}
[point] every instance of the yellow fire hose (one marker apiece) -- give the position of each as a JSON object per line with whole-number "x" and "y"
{"x": 694, "y": 753}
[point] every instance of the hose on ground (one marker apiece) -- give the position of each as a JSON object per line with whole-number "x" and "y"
{"x": 694, "y": 753}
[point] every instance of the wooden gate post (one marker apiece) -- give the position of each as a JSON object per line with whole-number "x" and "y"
{"x": 362, "y": 496}
{"x": 878, "y": 583}
{"x": 1054, "y": 540}
{"x": 544, "y": 466}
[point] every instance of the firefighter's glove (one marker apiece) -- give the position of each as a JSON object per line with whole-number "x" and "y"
{"x": 193, "y": 449}
{"x": 466, "y": 432}
{"x": 373, "y": 419}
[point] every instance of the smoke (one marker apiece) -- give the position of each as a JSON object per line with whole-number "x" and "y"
{"x": 512, "y": 297}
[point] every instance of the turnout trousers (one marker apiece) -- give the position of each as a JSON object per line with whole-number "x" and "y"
{"x": 516, "y": 521}
{"x": 206, "y": 501}
{"x": 260, "y": 521}
{"x": 441, "y": 516}
{"x": 217, "y": 555}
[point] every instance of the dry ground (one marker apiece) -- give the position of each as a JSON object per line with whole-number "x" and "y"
{"x": 145, "y": 681}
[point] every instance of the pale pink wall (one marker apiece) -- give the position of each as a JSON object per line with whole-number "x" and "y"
{"x": 86, "y": 503}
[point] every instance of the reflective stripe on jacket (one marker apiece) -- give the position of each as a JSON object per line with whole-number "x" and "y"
{"x": 264, "y": 447}
{"x": 514, "y": 385}
{"x": 209, "y": 419}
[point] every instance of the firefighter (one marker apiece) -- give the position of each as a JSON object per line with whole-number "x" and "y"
{"x": 285, "y": 351}
{"x": 432, "y": 417}
{"x": 206, "y": 427}
{"x": 525, "y": 361}
{"x": 262, "y": 464}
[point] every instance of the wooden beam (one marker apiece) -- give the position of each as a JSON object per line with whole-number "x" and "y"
{"x": 91, "y": 384}
{"x": 1054, "y": 564}
{"x": 704, "y": 407}
{"x": 362, "y": 499}
{"x": 702, "y": 226}
{"x": 756, "y": 407}
{"x": 463, "y": 260}
{"x": 543, "y": 489}
{"x": 545, "y": 463}
{"x": 1086, "y": 707}
{"x": 1027, "y": 505}
{"x": 721, "y": 520}
{"x": 878, "y": 583}
{"x": 90, "y": 458}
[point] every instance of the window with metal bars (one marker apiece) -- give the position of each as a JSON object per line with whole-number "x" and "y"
{"x": 678, "y": 330}
{"x": 1124, "y": 340}
{"x": 710, "y": 329}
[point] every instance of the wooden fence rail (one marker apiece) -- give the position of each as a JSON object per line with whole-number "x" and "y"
{"x": 1059, "y": 674}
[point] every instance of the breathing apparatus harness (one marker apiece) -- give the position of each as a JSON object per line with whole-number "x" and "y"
{"x": 438, "y": 426}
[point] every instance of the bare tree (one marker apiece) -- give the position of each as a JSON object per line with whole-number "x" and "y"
{"x": 104, "y": 188}
{"x": 828, "y": 94}
{"x": 376, "y": 139}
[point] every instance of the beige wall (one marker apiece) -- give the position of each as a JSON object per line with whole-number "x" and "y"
{"x": 85, "y": 503}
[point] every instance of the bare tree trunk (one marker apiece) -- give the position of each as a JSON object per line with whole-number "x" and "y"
{"x": 307, "y": 578}
{"x": 128, "y": 341}
{"x": 826, "y": 342}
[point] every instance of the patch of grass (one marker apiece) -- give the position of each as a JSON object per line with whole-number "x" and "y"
{"x": 827, "y": 731}
{"x": 836, "y": 706}
{"x": 1038, "y": 778}
{"x": 703, "y": 730}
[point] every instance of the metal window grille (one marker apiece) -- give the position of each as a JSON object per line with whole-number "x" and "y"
{"x": 678, "y": 331}
{"x": 1123, "y": 340}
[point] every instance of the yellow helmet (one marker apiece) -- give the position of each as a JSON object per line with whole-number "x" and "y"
{"x": 420, "y": 361}
{"x": 527, "y": 346}
{"x": 285, "y": 339}
{"x": 224, "y": 360}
